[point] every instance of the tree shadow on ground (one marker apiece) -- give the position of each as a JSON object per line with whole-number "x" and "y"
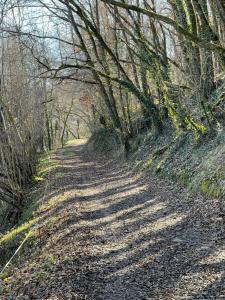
{"x": 145, "y": 240}
{"x": 168, "y": 248}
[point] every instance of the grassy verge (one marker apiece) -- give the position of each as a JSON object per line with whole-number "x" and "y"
{"x": 12, "y": 239}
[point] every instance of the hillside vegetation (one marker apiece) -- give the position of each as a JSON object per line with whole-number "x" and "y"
{"x": 143, "y": 81}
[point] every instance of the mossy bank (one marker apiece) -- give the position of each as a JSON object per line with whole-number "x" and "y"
{"x": 196, "y": 163}
{"x": 11, "y": 239}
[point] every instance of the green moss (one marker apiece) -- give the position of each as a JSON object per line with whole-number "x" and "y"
{"x": 184, "y": 178}
{"x": 53, "y": 201}
{"x": 47, "y": 169}
{"x": 11, "y": 239}
{"x": 51, "y": 221}
{"x": 158, "y": 167}
{"x": 22, "y": 229}
{"x": 46, "y": 164}
{"x": 40, "y": 276}
{"x": 37, "y": 179}
{"x": 45, "y": 158}
{"x": 28, "y": 213}
{"x": 147, "y": 163}
{"x": 196, "y": 164}
{"x": 210, "y": 188}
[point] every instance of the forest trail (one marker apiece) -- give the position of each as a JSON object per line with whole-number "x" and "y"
{"x": 121, "y": 235}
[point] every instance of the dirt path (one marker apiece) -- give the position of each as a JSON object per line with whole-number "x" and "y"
{"x": 120, "y": 236}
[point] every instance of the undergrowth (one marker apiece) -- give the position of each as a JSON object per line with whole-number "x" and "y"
{"x": 195, "y": 163}
{"x": 105, "y": 141}
{"x": 10, "y": 240}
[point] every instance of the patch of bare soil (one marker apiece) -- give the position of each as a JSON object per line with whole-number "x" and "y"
{"x": 121, "y": 235}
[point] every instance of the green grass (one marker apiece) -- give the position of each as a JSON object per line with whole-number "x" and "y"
{"x": 37, "y": 179}
{"x": 10, "y": 235}
{"x": 53, "y": 202}
{"x": 10, "y": 240}
{"x": 46, "y": 164}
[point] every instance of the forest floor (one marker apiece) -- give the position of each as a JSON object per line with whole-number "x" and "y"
{"x": 115, "y": 234}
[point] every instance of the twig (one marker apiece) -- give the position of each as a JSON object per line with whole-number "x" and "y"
{"x": 17, "y": 250}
